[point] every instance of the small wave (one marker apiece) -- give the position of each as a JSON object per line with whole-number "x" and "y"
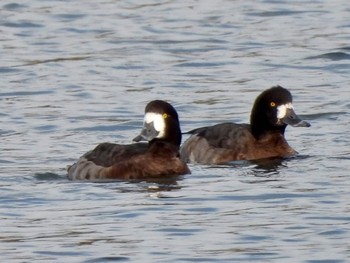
{"x": 13, "y": 6}
{"x": 49, "y": 176}
{"x": 335, "y": 56}
{"x": 22, "y": 24}
{"x": 322, "y": 115}
{"x": 5, "y": 161}
{"x": 107, "y": 259}
{"x": 280, "y": 13}
{"x": 36, "y": 62}
{"x": 8, "y": 70}
{"x": 24, "y": 93}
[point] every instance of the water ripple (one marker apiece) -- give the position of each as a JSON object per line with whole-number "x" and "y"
{"x": 77, "y": 73}
{"x": 335, "y": 56}
{"x": 21, "y": 24}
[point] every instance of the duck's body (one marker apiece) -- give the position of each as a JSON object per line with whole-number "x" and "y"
{"x": 208, "y": 146}
{"x": 263, "y": 138}
{"x": 157, "y": 158}
{"x": 107, "y": 154}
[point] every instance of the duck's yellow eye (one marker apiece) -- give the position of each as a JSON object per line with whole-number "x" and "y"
{"x": 272, "y": 104}
{"x": 165, "y": 115}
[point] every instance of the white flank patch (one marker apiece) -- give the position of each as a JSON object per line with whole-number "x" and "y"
{"x": 158, "y": 122}
{"x": 282, "y": 110}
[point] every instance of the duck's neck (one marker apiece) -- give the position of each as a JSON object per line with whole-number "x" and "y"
{"x": 172, "y": 135}
{"x": 260, "y": 126}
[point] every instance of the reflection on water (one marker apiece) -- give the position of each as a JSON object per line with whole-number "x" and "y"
{"x": 80, "y": 74}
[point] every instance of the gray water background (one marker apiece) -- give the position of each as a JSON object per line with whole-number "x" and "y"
{"x": 76, "y": 73}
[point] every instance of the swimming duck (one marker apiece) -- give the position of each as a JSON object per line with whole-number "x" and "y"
{"x": 262, "y": 138}
{"x": 157, "y": 158}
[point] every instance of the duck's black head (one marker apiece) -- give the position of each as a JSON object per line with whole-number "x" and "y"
{"x": 161, "y": 122}
{"x": 273, "y": 111}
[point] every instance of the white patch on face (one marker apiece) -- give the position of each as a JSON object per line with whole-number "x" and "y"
{"x": 282, "y": 110}
{"x": 158, "y": 122}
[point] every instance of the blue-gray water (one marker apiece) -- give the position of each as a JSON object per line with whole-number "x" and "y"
{"x": 75, "y": 73}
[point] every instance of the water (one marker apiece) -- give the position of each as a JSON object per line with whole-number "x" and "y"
{"x": 76, "y": 73}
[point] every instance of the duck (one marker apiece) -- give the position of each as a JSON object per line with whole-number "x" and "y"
{"x": 261, "y": 139}
{"x": 157, "y": 157}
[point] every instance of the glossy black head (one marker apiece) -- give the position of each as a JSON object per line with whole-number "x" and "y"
{"x": 161, "y": 122}
{"x": 273, "y": 111}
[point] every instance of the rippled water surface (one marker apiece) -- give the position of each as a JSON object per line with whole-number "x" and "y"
{"x": 76, "y": 73}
